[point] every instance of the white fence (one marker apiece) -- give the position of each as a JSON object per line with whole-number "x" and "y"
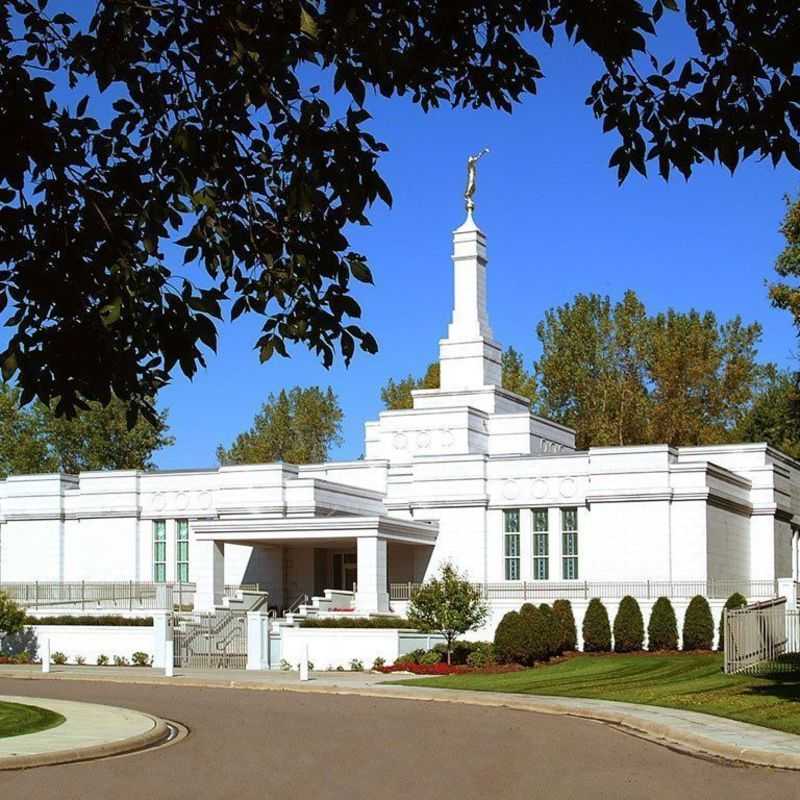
{"x": 761, "y": 636}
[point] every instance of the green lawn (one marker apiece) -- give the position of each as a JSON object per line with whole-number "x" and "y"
{"x": 694, "y": 682}
{"x": 16, "y": 719}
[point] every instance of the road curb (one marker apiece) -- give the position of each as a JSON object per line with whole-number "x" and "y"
{"x": 626, "y": 718}
{"x": 159, "y": 733}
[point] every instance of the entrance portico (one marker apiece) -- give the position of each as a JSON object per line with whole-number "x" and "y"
{"x": 352, "y": 548}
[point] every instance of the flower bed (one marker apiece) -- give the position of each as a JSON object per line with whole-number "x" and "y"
{"x": 442, "y": 668}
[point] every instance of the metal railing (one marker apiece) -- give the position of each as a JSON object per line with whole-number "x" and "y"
{"x": 756, "y": 637}
{"x": 118, "y": 595}
{"x": 585, "y": 590}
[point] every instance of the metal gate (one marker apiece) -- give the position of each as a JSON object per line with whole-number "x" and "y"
{"x": 211, "y": 641}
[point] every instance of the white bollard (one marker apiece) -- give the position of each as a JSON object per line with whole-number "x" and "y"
{"x": 46, "y": 655}
{"x": 304, "y": 665}
{"x": 169, "y": 658}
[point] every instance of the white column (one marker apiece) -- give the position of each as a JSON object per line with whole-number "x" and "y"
{"x": 372, "y": 594}
{"x": 209, "y": 557}
{"x": 160, "y": 635}
{"x": 257, "y": 639}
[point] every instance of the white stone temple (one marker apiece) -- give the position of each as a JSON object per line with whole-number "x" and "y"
{"x": 469, "y": 474}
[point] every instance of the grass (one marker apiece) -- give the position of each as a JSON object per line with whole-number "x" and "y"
{"x": 689, "y": 681}
{"x": 16, "y": 719}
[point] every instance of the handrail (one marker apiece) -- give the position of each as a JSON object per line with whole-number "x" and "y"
{"x": 300, "y": 600}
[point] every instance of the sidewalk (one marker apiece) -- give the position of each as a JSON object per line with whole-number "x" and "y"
{"x": 692, "y": 732}
{"x": 89, "y": 731}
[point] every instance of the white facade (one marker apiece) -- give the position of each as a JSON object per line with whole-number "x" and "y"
{"x": 469, "y": 475}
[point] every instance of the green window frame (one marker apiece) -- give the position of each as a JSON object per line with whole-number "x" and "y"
{"x": 159, "y": 550}
{"x": 569, "y": 543}
{"x": 541, "y": 545}
{"x": 182, "y": 551}
{"x": 511, "y": 544}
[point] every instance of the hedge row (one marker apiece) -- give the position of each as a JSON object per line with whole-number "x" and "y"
{"x": 355, "y": 622}
{"x": 536, "y": 634}
{"x": 109, "y": 619}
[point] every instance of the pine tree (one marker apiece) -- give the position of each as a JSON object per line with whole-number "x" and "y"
{"x": 628, "y": 626}
{"x": 698, "y": 625}
{"x": 596, "y": 629}
{"x": 569, "y": 633}
{"x": 662, "y": 630}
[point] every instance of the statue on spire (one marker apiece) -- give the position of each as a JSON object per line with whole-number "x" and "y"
{"x": 472, "y": 173}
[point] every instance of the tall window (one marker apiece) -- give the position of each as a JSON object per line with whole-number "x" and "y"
{"x": 511, "y": 528}
{"x": 541, "y": 545}
{"x": 159, "y": 550}
{"x": 183, "y": 551}
{"x": 569, "y": 543}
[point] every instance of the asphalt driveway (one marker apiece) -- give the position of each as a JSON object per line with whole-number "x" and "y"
{"x": 260, "y": 744}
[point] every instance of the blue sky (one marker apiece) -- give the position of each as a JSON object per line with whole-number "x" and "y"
{"x": 557, "y": 224}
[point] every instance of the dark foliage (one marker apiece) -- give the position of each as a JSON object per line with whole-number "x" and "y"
{"x": 110, "y": 619}
{"x": 219, "y": 141}
{"x": 511, "y": 640}
{"x": 662, "y": 629}
{"x": 356, "y": 622}
{"x": 698, "y": 625}
{"x": 596, "y": 628}
{"x": 628, "y": 626}
{"x": 569, "y": 633}
{"x": 552, "y": 630}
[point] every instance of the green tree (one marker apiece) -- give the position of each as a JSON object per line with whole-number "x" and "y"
{"x": 34, "y": 440}
{"x": 591, "y": 372}
{"x": 628, "y": 626}
{"x": 449, "y": 604}
{"x": 621, "y": 377}
{"x": 774, "y": 415}
{"x": 210, "y": 134}
{"x": 569, "y": 634}
{"x": 298, "y": 427}
{"x": 397, "y": 395}
{"x": 12, "y": 617}
{"x": 515, "y": 377}
{"x": 512, "y": 643}
{"x": 785, "y": 294}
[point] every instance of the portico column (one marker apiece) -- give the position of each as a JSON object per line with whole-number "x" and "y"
{"x": 210, "y": 571}
{"x": 372, "y": 592}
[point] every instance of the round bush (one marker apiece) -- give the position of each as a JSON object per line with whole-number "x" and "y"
{"x": 552, "y": 630}
{"x": 430, "y": 657}
{"x": 736, "y": 600}
{"x": 662, "y": 630}
{"x": 511, "y": 640}
{"x": 562, "y": 609}
{"x": 698, "y": 625}
{"x": 482, "y": 655}
{"x": 596, "y": 629}
{"x": 628, "y": 626}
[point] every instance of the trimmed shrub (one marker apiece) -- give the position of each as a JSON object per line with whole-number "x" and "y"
{"x": 140, "y": 659}
{"x": 537, "y": 634}
{"x": 482, "y": 655}
{"x": 511, "y": 644}
{"x": 356, "y": 622}
{"x": 736, "y": 600}
{"x": 698, "y": 625}
{"x": 596, "y": 628}
{"x": 628, "y": 626}
{"x": 379, "y": 662}
{"x": 430, "y": 657}
{"x": 356, "y": 665}
{"x": 552, "y": 630}
{"x": 566, "y": 620}
{"x": 58, "y": 658}
{"x": 662, "y": 630}
{"x": 412, "y": 657}
{"x": 87, "y": 619}
{"x": 102, "y": 660}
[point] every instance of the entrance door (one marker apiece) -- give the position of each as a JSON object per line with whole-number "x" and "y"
{"x": 345, "y": 571}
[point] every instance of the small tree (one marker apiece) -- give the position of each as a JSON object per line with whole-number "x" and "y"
{"x": 596, "y": 629}
{"x": 511, "y": 641}
{"x": 662, "y": 630}
{"x": 566, "y": 620}
{"x": 536, "y": 634}
{"x": 628, "y": 626}
{"x": 736, "y": 600}
{"x": 698, "y": 625}
{"x": 12, "y": 617}
{"x": 449, "y": 604}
